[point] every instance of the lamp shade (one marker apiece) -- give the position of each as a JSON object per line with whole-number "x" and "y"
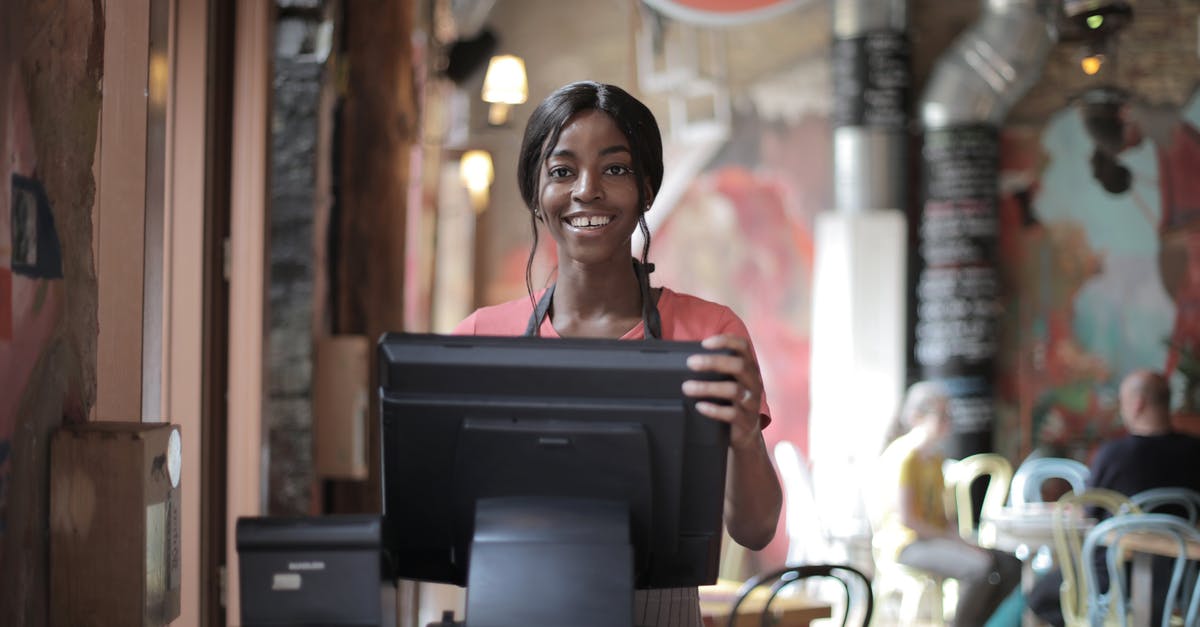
{"x": 505, "y": 80}
{"x": 475, "y": 171}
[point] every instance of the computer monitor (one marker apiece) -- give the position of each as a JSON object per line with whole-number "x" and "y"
{"x": 544, "y": 446}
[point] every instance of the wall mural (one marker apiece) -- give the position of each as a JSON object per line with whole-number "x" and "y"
{"x": 1101, "y": 244}
{"x": 742, "y": 235}
{"x": 31, "y": 286}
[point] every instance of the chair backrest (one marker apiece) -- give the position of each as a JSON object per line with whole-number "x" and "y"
{"x": 1069, "y": 527}
{"x": 961, "y": 475}
{"x": 860, "y": 601}
{"x": 807, "y": 539}
{"x": 1115, "y": 601}
{"x": 1182, "y": 500}
{"x": 1032, "y": 473}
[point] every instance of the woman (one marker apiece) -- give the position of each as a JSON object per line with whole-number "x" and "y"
{"x": 590, "y": 166}
{"x": 914, "y": 529}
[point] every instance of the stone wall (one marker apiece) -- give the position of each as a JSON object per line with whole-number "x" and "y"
{"x": 296, "y": 85}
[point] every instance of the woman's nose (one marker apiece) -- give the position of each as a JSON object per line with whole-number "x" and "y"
{"x": 587, "y": 187}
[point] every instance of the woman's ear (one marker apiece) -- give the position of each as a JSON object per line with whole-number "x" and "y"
{"x": 648, "y": 194}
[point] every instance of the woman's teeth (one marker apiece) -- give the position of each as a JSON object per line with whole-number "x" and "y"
{"x": 589, "y": 221}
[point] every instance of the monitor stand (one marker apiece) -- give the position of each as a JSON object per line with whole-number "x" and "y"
{"x": 550, "y": 561}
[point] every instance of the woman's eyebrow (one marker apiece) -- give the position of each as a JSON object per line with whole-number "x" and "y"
{"x": 615, "y": 148}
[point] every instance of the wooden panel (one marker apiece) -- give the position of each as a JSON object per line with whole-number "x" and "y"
{"x": 183, "y": 255}
{"x": 247, "y": 291}
{"x": 380, "y": 125}
{"x": 120, "y": 211}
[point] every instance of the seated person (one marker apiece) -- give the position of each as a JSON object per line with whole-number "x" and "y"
{"x": 914, "y": 528}
{"x": 1152, "y": 455}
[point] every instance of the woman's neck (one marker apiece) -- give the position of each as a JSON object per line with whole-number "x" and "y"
{"x": 596, "y": 300}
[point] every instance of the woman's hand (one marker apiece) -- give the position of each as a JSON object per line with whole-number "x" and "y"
{"x": 753, "y": 497}
{"x": 744, "y": 392}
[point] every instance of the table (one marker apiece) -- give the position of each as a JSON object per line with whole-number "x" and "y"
{"x": 1031, "y": 526}
{"x": 791, "y": 611}
{"x": 1144, "y": 546}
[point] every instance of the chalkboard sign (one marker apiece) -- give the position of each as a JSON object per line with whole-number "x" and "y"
{"x": 871, "y": 80}
{"x": 957, "y": 291}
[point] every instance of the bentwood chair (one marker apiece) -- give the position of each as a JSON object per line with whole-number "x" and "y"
{"x": 1030, "y": 476}
{"x": 960, "y": 478}
{"x": 1181, "y": 606}
{"x": 1173, "y": 500}
{"x": 853, "y": 583}
{"x": 1069, "y": 526}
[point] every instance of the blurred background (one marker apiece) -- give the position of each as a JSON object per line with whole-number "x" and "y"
{"x": 211, "y": 210}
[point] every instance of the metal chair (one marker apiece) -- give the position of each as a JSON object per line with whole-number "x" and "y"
{"x": 1029, "y": 477}
{"x": 1069, "y": 512}
{"x": 1113, "y": 606}
{"x": 1173, "y": 499}
{"x": 853, "y": 582}
{"x": 961, "y": 475}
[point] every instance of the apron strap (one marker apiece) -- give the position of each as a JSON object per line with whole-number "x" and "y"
{"x": 650, "y": 318}
{"x": 533, "y": 329}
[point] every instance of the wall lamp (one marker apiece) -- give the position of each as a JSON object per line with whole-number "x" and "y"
{"x": 476, "y": 173}
{"x": 504, "y": 85}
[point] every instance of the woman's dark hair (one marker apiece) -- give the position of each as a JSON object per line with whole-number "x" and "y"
{"x": 634, "y": 119}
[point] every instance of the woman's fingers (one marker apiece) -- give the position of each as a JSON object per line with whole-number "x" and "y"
{"x": 732, "y": 391}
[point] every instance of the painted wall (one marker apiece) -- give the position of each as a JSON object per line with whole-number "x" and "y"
{"x": 50, "y": 67}
{"x": 1098, "y": 277}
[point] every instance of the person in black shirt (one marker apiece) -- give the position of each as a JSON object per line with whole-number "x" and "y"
{"x": 1152, "y": 455}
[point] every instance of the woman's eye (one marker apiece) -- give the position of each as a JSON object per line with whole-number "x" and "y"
{"x": 558, "y": 172}
{"x": 617, "y": 170}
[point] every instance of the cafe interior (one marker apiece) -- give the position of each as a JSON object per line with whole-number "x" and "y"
{"x": 212, "y": 212}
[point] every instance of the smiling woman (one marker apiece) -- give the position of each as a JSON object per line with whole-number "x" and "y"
{"x": 589, "y": 168}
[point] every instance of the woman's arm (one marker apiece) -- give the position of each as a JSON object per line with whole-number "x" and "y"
{"x": 753, "y": 497}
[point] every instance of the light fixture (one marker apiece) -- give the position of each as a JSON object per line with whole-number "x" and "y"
{"x": 475, "y": 171}
{"x": 504, "y": 85}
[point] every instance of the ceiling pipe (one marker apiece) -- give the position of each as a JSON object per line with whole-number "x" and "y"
{"x": 969, "y": 94}
{"x": 990, "y": 66}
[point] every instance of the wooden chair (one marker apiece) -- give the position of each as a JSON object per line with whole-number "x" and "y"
{"x": 1113, "y": 607}
{"x": 960, "y": 477}
{"x": 1069, "y": 511}
{"x": 856, "y": 585}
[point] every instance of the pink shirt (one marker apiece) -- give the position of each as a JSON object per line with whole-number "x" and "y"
{"x": 685, "y": 318}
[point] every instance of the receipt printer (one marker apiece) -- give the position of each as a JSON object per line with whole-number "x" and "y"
{"x": 323, "y": 570}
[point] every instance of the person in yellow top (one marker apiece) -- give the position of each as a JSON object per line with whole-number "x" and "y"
{"x": 913, "y": 526}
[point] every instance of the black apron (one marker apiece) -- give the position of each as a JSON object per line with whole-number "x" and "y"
{"x": 650, "y": 318}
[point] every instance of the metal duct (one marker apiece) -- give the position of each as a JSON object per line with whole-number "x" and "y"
{"x": 989, "y": 67}
{"x": 871, "y": 80}
{"x": 968, "y": 96}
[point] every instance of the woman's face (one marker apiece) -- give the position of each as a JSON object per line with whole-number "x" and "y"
{"x": 589, "y": 192}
